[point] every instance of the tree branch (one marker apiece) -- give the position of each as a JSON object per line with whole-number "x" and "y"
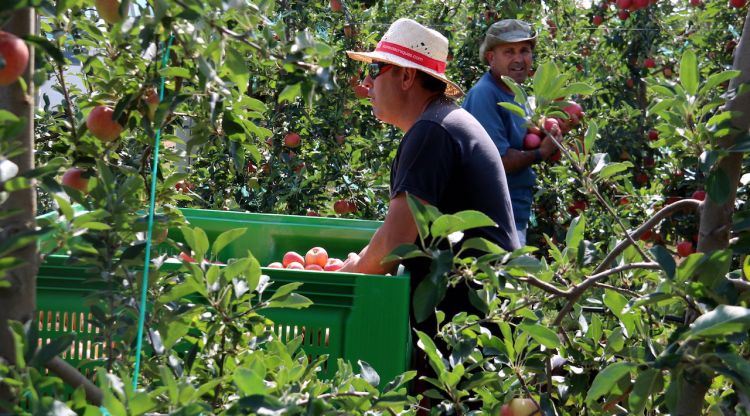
{"x": 74, "y": 378}
{"x": 660, "y": 215}
{"x": 577, "y": 291}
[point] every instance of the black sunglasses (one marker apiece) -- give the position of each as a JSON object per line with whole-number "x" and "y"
{"x": 377, "y": 69}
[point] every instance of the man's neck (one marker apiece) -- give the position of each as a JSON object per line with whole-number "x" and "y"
{"x": 500, "y": 83}
{"x": 414, "y": 107}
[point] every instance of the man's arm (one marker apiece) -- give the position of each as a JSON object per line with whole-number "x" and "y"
{"x": 515, "y": 160}
{"x": 398, "y": 228}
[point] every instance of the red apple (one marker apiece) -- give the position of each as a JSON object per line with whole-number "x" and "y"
{"x": 623, "y": 4}
{"x": 629, "y": 82}
{"x": 336, "y": 5}
{"x": 251, "y": 168}
{"x": 597, "y": 20}
{"x": 699, "y": 195}
{"x": 101, "y": 125}
{"x": 639, "y": 4}
{"x": 109, "y": 10}
{"x": 340, "y": 139}
{"x": 695, "y": 3}
{"x": 295, "y": 265}
{"x": 647, "y": 235}
{"x": 649, "y": 63}
{"x": 15, "y": 54}
{"x": 520, "y": 407}
{"x": 653, "y": 135}
{"x": 333, "y": 264}
{"x": 738, "y": 4}
{"x": 685, "y": 248}
{"x": 316, "y": 255}
{"x": 575, "y": 113}
{"x": 641, "y": 178}
{"x": 292, "y": 257}
{"x": 184, "y": 187}
{"x": 292, "y": 140}
{"x": 576, "y": 207}
{"x": 74, "y": 178}
{"x": 341, "y": 207}
{"x": 668, "y": 72}
{"x": 361, "y": 91}
{"x": 312, "y": 214}
{"x": 531, "y": 141}
{"x": 275, "y": 265}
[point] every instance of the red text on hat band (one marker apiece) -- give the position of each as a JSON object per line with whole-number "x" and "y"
{"x": 412, "y": 56}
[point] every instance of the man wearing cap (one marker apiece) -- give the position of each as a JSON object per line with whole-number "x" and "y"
{"x": 508, "y": 49}
{"x": 445, "y": 157}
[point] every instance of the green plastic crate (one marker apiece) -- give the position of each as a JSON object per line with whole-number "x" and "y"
{"x": 353, "y": 316}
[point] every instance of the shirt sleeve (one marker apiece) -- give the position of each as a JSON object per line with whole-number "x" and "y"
{"x": 424, "y": 163}
{"x": 482, "y": 104}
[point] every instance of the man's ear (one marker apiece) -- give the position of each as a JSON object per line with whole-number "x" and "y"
{"x": 489, "y": 55}
{"x": 408, "y": 78}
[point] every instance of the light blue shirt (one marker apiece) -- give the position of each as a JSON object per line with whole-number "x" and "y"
{"x": 507, "y": 131}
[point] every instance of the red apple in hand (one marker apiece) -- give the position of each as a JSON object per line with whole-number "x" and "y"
{"x": 317, "y": 255}
{"x": 16, "y": 56}
{"x": 101, "y": 125}
{"x": 292, "y": 257}
{"x": 531, "y": 141}
{"x": 73, "y": 178}
{"x": 575, "y": 113}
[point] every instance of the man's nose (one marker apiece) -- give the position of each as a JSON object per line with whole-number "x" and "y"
{"x": 368, "y": 82}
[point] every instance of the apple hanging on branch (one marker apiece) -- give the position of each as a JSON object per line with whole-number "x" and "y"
{"x": 101, "y": 124}
{"x": 14, "y": 57}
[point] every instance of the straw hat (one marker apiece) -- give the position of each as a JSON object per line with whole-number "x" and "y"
{"x": 506, "y": 31}
{"x": 410, "y": 45}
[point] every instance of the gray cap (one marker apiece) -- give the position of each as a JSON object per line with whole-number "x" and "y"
{"x": 506, "y": 31}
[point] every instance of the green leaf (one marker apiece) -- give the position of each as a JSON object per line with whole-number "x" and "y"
{"x": 645, "y": 385}
{"x": 577, "y": 88}
{"x": 286, "y": 290}
{"x": 722, "y": 321}
{"x": 665, "y": 260}
{"x": 718, "y": 186}
{"x": 175, "y": 72}
{"x": 715, "y": 79}
{"x": 611, "y": 169}
{"x": 482, "y": 244}
{"x": 291, "y": 301}
{"x": 607, "y": 379}
{"x": 403, "y": 252}
{"x": 291, "y": 92}
{"x": 541, "y": 334}
{"x": 64, "y": 206}
{"x": 592, "y": 132}
{"x": 518, "y": 93}
{"x": 422, "y": 215}
{"x": 575, "y": 232}
{"x": 431, "y": 290}
{"x": 48, "y": 47}
{"x": 740, "y": 370}
{"x": 513, "y": 108}
{"x": 689, "y": 72}
{"x": 249, "y": 382}
{"x": 465, "y": 220}
{"x": 225, "y": 239}
{"x": 434, "y": 356}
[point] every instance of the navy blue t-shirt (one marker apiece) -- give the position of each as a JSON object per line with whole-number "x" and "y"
{"x": 448, "y": 160}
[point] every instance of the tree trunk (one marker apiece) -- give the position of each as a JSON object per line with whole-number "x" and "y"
{"x": 19, "y": 300}
{"x": 716, "y": 220}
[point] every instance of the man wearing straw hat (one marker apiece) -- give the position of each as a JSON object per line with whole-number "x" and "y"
{"x": 508, "y": 50}
{"x": 445, "y": 157}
